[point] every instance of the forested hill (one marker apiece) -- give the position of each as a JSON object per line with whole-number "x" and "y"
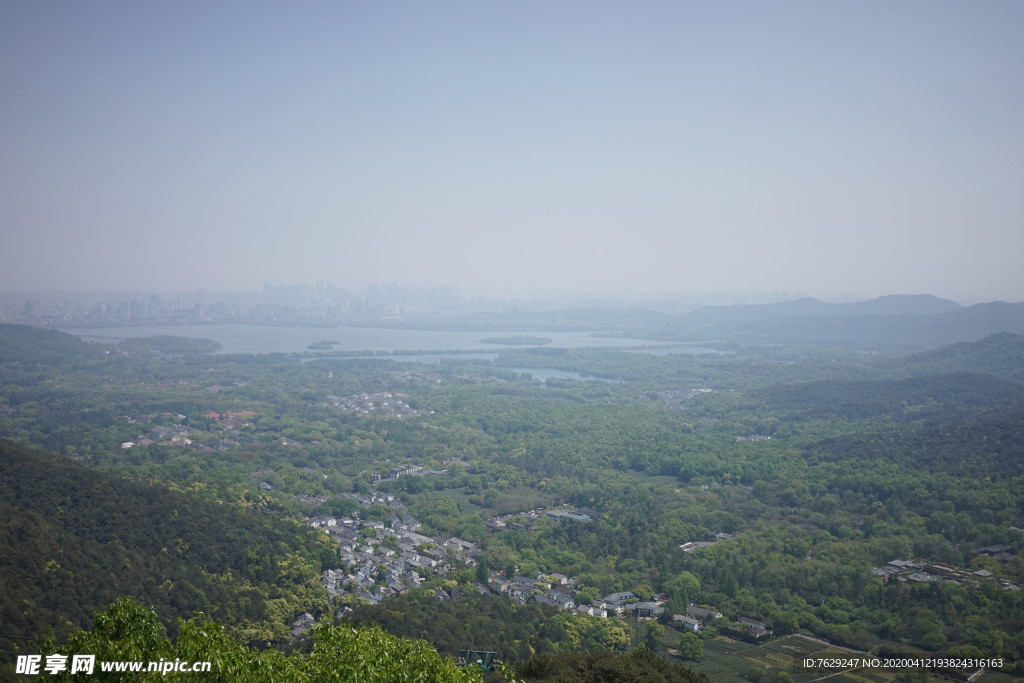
{"x": 1000, "y": 354}
{"x": 26, "y": 345}
{"x": 983, "y": 450}
{"x": 912, "y": 398}
{"x": 76, "y": 539}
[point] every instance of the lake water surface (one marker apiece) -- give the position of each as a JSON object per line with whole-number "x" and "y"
{"x": 242, "y": 338}
{"x": 436, "y": 345}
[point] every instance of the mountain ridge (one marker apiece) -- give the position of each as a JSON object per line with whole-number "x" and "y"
{"x": 892, "y": 304}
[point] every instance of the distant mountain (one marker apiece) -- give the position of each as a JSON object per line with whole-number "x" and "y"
{"x": 999, "y": 354}
{"x": 918, "y": 304}
{"x": 793, "y": 308}
{"x": 975, "y": 322}
{"x": 899, "y": 304}
{"x": 578, "y": 318}
{"x": 902, "y": 399}
{"x": 886, "y": 331}
{"x": 887, "y": 323}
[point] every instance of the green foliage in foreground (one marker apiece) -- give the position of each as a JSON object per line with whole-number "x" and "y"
{"x": 492, "y": 622}
{"x": 127, "y": 631}
{"x": 639, "y": 666}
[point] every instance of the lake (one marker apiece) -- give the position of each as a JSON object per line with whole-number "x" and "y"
{"x": 243, "y": 338}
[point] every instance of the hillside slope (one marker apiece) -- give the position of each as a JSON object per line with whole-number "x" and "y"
{"x": 77, "y": 539}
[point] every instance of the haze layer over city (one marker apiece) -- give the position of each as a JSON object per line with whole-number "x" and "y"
{"x": 834, "y": 150}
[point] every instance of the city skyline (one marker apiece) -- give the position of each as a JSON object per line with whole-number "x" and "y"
{"x": 380, "y": 302}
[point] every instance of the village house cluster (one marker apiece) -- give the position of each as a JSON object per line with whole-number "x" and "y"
{"x": 383, "y": 560}
{"x": 382, "y": 404}
{"x": 674, "y": 399}
{"x": 225, "y": 426}
{"x": 911, "y": 571}
{"x": 529, "y": 519}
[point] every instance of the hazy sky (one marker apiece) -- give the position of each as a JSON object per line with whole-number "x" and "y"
{"x": 819, "y": 146}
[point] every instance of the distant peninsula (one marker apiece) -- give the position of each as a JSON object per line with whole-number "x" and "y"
{"x": 517, "y": 340}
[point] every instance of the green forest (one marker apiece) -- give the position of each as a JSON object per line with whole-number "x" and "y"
{"x": 802, "y": 492}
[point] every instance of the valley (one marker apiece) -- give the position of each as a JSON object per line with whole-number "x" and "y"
{"x": 862, "y": 501}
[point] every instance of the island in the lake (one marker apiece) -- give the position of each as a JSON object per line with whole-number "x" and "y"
{"x": 325, "y": 345}
{"x": 518, "y": 340}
